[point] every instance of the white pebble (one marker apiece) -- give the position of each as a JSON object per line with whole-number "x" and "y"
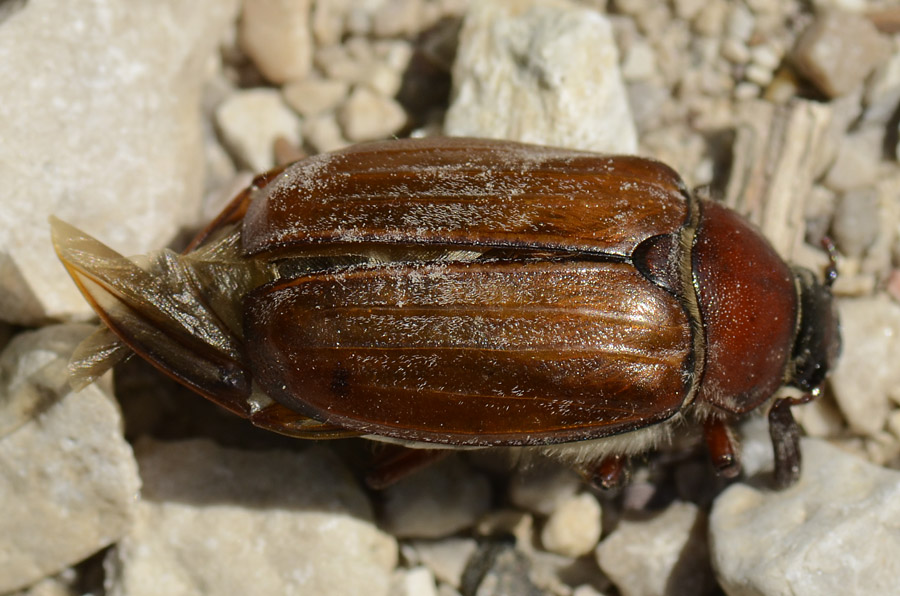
{"x": 734, "y": 50}
{"x": 574, "y": 528}
{"x": 760, "y": 75}
{"x": 640, "y": 62}
{"x": 276, "y": 36}
{"x": 765, "y": 56}
{"x": 418, "y": 581}
{"x": 323, "y": 133}
{"x": 741, "y": 22}
{"x": 384, "y": 80}
{"x": 367, "y": 116}
{"x": 251, "y": 121}
{"x": 314, "y": 96}
{"x": 746, "y": 90}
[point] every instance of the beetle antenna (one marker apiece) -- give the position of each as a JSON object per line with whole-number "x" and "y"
{"x": 831, "y": 271}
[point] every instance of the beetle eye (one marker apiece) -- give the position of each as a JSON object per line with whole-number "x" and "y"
{"x": 817, "y": 343}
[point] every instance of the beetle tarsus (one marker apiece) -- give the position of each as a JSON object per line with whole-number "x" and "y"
{"x": 786, "y": 443}
{"x": 722, "y": 448}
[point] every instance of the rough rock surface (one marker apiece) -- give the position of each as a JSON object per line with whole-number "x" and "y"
{"x": 556, "y": 62}
{"x": 836, "y": 531}
{"x": 68, "y": 480}
{"x": 216, "y": 521}
{"x": 666, "y": 555}
{"x": 867, "y": 372}
{"x": 839, "y": 50}
{"x": 98, "y": 108}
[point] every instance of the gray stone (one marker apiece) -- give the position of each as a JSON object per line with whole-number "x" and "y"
{"x": 68, "y": 479}
{"x": 498, "y": 569}
{"x": 101, "y": 127}
{"x": 276, "y": 35}
{"x": 856, "y": 164}
{"x": 251, "y": 121}
{"x": 541, "y": 72}
{"x": 856, "y": 222}
{"x": 542, "y": 487}
{"x": 665, "y": 555}
{"x": 217, "y": 521}
{"x": 437, "y": 501}
{"x": 837, "y": 531}
{"x": 867, "y": 370}
{"x": 839, "y": 50}
{"x": 882, "y": 93}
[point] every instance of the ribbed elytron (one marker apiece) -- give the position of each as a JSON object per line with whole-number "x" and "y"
{"x": 472, "y": 293}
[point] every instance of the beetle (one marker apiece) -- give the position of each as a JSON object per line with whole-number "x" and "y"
{"x": 472, "y": 293}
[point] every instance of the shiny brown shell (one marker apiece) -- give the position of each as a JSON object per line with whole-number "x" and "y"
{"x": 468, "y": 292}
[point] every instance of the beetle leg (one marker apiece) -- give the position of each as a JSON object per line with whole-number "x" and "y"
{"x": 722, "y": 448}
{"x": 401, "y": 462}
{"x": 608, "y": 473}
{"x": 786, "y": 442}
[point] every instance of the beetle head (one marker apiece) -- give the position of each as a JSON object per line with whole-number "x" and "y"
{"x": 817, "y": 343}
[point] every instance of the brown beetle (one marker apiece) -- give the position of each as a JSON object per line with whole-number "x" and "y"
{"x": 473, "y": 293}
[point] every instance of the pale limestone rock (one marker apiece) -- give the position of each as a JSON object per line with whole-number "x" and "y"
{"x": 214, "y": 521}
{"x": 856, "y": 221}
{"x": 438, "y": 501}
{"x": 573, "y": 529}
{"x": 446, "y": 558}
{"x": 323, "y": 133}
{"x": 418, "y": 581}
{"x": 397, "y": 18}
{"x": 837, "y": 531}
{"x": 68, "y": 479}
{"x": 665, "y": 555}
{"x": 857, "y": 162}
{"x": 251, "y": 121}
{"x": 541, "y": 72}
{"x": 867, "y": 370}
{"x": 101, "y": 127}
{"x": 336, "y": 62}
{"x": 367, "y": 116}
{"x": 314, "y": 96}
{"x": 882, "y": 93}
{"x": 839, "y": 50}
{"x": 327, "y": 21}
{"x": 276, "y": 35}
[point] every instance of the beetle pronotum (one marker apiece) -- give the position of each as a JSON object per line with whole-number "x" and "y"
{"x": 473, "y": 293}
